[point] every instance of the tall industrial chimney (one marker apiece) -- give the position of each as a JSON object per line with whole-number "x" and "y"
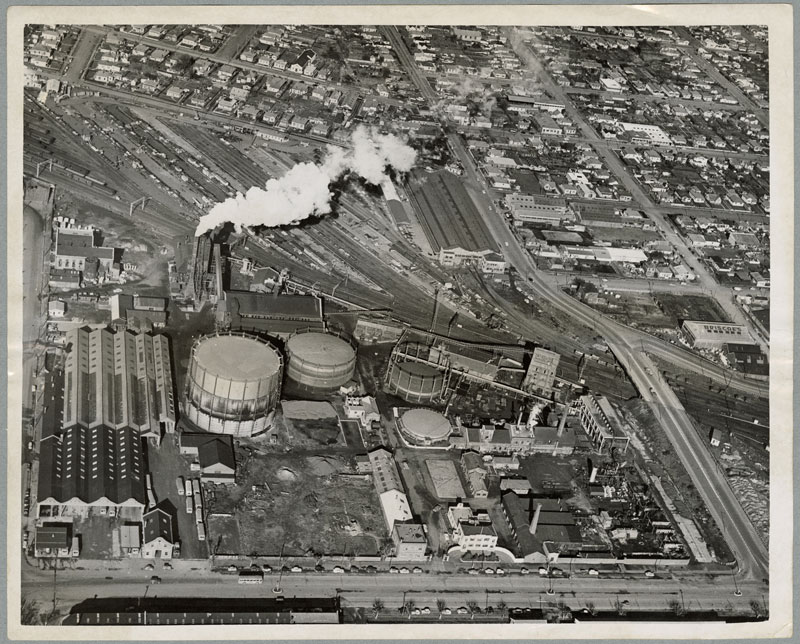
{"x": 563, "y": 422}
{"x": 535, "y": 520}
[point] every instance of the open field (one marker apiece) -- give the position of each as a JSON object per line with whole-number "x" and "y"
{"x": 690, "y": 307}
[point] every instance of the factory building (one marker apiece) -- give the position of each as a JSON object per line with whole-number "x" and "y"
{"x": 601, "y": 423}
{"x": 271, "y": 314}
{"x": 538, "y": 209}
{"x": 715, "y": 335}
{"x": 541, "y": 372}
{"x": 392, "y": 496}
{"x": 233, "y": 384}
{"x": 320, "y": 360}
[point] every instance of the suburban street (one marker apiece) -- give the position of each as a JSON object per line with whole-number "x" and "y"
{"x": 627, "y": 344}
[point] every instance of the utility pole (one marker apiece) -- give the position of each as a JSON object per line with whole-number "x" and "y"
{"x": 48, "y": 163}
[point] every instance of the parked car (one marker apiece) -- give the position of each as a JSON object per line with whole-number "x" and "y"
{"x": 649, "y": 573}
{"x": 500, "y": 571}
{"x": 543, "y": 572}
{"x": 462, "y": 611}
{"x": 417, "y": 570}
{"x": 266, "y": 568}
{"x": 426, "y": 611}
{"x": 489, "y": 571}
{"x": 167, "y": 565}
{"x": 155, "y": 580}
{"x": 297, "y": 569}
{"x": 473, "y": 571}
{"x": 404, "y": 571}
{"x": 149, "y": 567}
{"x": 393, "y": 570}
{"x": 524, "y": 571}
{"x": 446, "y": 611}
{"x": 338, "y": 569}
{"x": 416, "y": 611}
{"x": 232, "y": 568}
{"x": 593, "y": 572}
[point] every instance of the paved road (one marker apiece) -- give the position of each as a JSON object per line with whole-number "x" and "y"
{"x": 361, "y": 590}
{"x": 615, "y": 165}
{"x": 628, "y": 346}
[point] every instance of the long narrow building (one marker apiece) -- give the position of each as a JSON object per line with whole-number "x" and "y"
{"x": 117, "y": 391}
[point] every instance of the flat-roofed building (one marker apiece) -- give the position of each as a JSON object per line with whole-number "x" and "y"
{"x": 410, "y": 542}
{"x": 541, "y": 372}
{"x": 276, "y": 315}
{"x": 714, "y": 335}
{"x": 601, "y": 423}
{"x": 538, "y": 209}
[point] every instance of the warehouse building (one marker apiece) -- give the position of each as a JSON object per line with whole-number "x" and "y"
{"x": 715, "y": 335}
{"x": 451, "y": 222}
{"x": 75, "y": 247}
{"x": 117, "y": 389}
{"x": 538, "y": 209}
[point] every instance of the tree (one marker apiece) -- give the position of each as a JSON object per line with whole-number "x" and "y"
{"x": 441, "y": 604}
{"x": 591, "y": 608}
{"x": 502, "y": 607}
{"x": 473, "y": 608}
{"x": 409, "y": 606}
{"x": 676, "y": 607}
{"x": 377, "y": 606}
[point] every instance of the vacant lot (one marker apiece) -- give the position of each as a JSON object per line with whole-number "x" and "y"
{"x": 690, "y": 307}
{"x": 302, "y": 504}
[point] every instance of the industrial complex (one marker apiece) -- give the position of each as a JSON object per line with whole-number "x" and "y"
{"x": 306, "y": 304}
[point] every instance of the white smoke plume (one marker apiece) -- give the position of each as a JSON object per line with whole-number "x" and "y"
{"x": 305, "y": 189}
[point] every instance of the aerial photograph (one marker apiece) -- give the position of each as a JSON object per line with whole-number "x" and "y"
{"x": 403, "y": 325}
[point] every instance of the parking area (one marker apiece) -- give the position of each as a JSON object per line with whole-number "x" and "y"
{"x": 165, "y": 464}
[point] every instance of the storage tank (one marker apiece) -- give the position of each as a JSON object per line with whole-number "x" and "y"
{"x": 415, "y": 381}
{"x": 320, "y": 360}
{"x": 424, "y": 426}
{"x": 233, "y": 384}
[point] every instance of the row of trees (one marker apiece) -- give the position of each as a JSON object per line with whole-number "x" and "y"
{"x": 410, "y": 605}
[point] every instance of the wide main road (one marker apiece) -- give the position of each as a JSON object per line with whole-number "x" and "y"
{"x": 629, "y": 347}
{"x": 456, "y": 590}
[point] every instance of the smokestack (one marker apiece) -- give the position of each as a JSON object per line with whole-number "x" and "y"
{"x": 535, "y": 520}
{"x": 563, "y": 422}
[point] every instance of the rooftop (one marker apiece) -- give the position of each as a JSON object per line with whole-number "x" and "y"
{"x": 449, "y": 216}
{"x": 236, "y": 357}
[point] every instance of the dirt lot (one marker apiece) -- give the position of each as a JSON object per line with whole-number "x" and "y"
{"x": 303, "y": 503}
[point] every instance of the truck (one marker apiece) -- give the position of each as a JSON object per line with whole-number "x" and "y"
{"x": 198, "y": 515}
{"x": 201, "y": 532}
{"x": 179, "y": 485}
{"x": 195, "y": 486}
{"x": 198, "y": 502}
{"x": 188, "y": 505}
{"x": 188, "y": 488}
